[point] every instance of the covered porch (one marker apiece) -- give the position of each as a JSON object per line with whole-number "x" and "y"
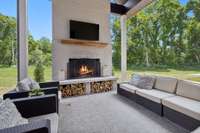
{"x": 88, "y": 98}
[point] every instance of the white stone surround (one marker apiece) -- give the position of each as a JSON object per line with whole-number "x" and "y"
{"x": 92, "y": 11}
{"x": 87, "y": 80}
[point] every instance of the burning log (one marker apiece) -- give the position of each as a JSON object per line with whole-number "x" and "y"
{"x": 84, "y": 70}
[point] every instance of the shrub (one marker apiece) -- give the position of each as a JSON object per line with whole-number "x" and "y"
{"x": 39, "y": 72}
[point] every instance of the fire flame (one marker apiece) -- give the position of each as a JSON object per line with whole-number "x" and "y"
{"x": 84, "y": 70}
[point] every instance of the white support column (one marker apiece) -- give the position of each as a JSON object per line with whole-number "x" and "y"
{"x": 22, "y": 35}
{"x": 123, "y": 48}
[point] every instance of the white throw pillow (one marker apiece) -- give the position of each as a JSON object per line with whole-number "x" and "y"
{"x": 24, "y": 85}
{"x": 9, "y": 115}
{"x": 34, "y": 84}
{"x": 142, "y": 81}
{"x": 134, "y": 79}
{"x": 146, "y": 82}
{"x": 27, "y": 84}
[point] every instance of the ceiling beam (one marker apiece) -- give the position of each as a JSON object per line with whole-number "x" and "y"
{"x": 133, "y": 11}
{"x": 118, "y": 9}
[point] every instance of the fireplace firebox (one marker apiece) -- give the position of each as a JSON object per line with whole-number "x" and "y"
{"x": 83, "y": 68}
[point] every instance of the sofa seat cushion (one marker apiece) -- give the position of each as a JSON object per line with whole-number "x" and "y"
{"x": 167, "y": 84}
{"x": 184, "y": 105}
{"x": 154, "y": 95}
{"x": 128, "y": 87}
{"x": 188, "y": 89}
{"x": 53, "y": 120}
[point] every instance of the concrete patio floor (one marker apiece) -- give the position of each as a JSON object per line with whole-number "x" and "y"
{"x": 110, "y": 113}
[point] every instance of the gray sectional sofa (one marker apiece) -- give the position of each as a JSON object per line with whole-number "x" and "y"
{"x": 177, "y": 100}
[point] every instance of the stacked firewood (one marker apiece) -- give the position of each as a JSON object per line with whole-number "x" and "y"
{"x": 103, "y": 86}
{"x": 73, "y": 90}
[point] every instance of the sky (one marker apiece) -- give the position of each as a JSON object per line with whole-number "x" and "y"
{"x": 39, "y": 15}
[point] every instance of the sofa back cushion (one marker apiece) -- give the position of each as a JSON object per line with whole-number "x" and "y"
{"x": 143, "y": 81}
{"x": 167, "y": 84}
{"x": 188, "y": 89}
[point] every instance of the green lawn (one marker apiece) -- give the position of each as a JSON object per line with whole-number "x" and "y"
{"x": 8, "y": 76}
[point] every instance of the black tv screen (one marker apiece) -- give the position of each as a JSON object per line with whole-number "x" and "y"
{"x": 84, "y": 31}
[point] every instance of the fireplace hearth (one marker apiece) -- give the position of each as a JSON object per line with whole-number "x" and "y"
{"x": 83, "y": 68}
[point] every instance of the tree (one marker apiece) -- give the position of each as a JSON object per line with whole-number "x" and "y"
{"x": 45, "y": 46}
{"x": 39, "y": 48}
{"x": 161, "y": 34}
{"x": 193, "y": 32}
{"x": 194, "y": 6}
{"x": 193, "y": 53}
{"x": 7, "y": 40}
{"x": 116, "y": 42}
{"x": 8, "y": 45}
{"x": 39, "y": 65}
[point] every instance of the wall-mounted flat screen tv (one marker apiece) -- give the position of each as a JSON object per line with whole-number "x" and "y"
{"x": 84, "y": 31}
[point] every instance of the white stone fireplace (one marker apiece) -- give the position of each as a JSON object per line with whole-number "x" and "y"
{"x": 90, "y": 11}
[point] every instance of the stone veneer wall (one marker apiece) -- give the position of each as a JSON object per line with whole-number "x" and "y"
{"x": 92, "y": 11}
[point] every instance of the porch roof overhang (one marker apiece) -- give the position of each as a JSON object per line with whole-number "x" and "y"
{"x": 128, "y": 7}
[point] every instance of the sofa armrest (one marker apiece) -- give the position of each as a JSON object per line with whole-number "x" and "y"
{"x": 47, "y": 87}
{"x": 118, "y": 84}
{"x": 36, "y": 106}
{"x": 49, "y": 84}
{"x": 14, "y": 95}
{"x": 124, "y": 82}
{"x": 42, "y": 126}
{"x": 50, "y": 90}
